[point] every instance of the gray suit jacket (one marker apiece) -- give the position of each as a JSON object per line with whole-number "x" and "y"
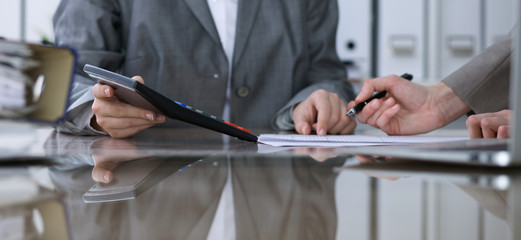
{"x": 284, "y": 50}
{"x": 483, "y": 83}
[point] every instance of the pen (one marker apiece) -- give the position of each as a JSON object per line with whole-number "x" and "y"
{"x": 381, "y": 94}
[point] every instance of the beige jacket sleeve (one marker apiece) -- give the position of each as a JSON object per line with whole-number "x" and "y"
{"x": 483, "y": 83}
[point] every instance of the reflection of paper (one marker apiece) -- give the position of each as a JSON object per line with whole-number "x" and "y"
{"x": 297, "y": 140}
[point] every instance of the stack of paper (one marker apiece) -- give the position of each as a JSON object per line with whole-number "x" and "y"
{"x": 297, "y": 140}
{"x": 18, "y": 90}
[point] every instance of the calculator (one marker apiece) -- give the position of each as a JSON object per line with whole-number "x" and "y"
{"x": 133, "y": 92}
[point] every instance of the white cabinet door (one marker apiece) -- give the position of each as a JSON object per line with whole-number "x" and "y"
{"x": 460, "y": 33}
{"x": 401, "y": 37}
{"x": 354, "y": 34}
{"x": 499, "y": 20}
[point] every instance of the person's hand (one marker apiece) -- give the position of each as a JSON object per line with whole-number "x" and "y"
{"x": 408, "y": 108}
{"x": 367, "y": 160}
{"x": 109, "y": 154}
{"x": 118, "y": 119}
{"x": 490, "y": 125}
{"x": 318, "y": 154}
{"x": 323, "y": 112}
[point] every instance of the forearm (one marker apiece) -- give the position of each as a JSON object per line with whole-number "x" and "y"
{"x": 483, "y": 83}
{"x": 449, "y": 104}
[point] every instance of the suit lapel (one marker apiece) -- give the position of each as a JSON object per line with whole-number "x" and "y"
{"x": 202, "y": 13}
{"x": 246, "y": 16}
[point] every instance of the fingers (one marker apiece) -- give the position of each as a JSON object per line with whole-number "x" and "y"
{"x": 489, "y": 125}
{"x": 318, "y": 154}
{"x": 139, "y": 79}
{"x": 384, "y": 120}
{"x": 343, "y": 124}
{"x": 102, "y": 91}
{"x": 100, "y": 174}
{"x": 102, "y": 170}
{"x": 378, "y": 113}
{"x": 117, "y": 109}
{"x": 378, "y": 84}
{"x": 325, "y": 113}
{"x": 118, "y": 119}
{"x": 302, "y": 117}
{"x": 503, "y": 132}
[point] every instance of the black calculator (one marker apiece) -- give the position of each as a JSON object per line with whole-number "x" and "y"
{"x": 139, "y": 95}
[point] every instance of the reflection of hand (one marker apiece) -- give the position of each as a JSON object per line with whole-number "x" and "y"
{"x": 319, "y": 154}
{"x": 371, "y": 160}
{"x": 490, "y": 125}
{"x": 408, "y": 108}
{"x": 119, "y": 119}
{"x": 109, "y": 154}
{"x": 323, "y": 112}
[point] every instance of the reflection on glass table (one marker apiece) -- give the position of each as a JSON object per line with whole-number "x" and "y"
{"x": 131, "y": 178}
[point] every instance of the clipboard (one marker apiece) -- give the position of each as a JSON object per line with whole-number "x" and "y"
{"x": 139, "y": 95}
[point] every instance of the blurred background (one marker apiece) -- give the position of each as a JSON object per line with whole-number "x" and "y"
{"x": 428, "y": 38}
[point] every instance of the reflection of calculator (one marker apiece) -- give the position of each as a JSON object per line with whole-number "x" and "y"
{"x": 139, "y": 95}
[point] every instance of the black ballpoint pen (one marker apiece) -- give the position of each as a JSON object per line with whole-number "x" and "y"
{"x": 381, "y": 94}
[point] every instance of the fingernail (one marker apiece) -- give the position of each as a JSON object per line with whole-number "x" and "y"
{"x": 322, "y": 132}
{"x": 160, "y": 118}
{"x": 107, "y": 92}
{"x": 395, "y": 107}
{"x": 375, "y": 105}
{"x": 150, "y": 116}
{"x": 106, "y": 176}
{"x": 388, "y": 102}
{"x": 304, "y": 130}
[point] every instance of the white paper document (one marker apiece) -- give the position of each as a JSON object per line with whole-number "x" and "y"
{"x": 298, "y": 140}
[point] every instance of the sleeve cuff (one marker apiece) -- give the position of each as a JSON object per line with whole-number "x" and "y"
{"x": 283, "y": 121}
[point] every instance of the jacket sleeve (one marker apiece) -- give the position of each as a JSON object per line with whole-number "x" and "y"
{"x": 326, "y": 71}
{"x": 483, "y": 83}
{"x": 93, "y": 28}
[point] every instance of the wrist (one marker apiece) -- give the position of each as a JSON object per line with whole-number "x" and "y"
{"x": 449, "y": 104}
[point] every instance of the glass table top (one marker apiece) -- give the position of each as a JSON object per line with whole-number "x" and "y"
{"x": 195, "y": 184}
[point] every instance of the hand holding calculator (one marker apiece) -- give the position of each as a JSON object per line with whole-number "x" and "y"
{"x": 132, "y": 92}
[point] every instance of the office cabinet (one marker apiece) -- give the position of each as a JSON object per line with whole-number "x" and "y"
{"x": 460, "y": 33}
{"x": 433, "y": 38}
{"x": 353, "y": 39}
{"x": 499, "y": 20}
{"x": 10, "y": 18}
{"x": 401, "y": 37}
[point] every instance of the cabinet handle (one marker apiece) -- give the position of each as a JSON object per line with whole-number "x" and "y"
{"x": 461, "y": 43}
{"x": 404, "y": 44}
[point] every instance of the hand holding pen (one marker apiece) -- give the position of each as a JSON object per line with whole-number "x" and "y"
{"x": 358, "y": 108}
{"x": 406, "y": 108}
